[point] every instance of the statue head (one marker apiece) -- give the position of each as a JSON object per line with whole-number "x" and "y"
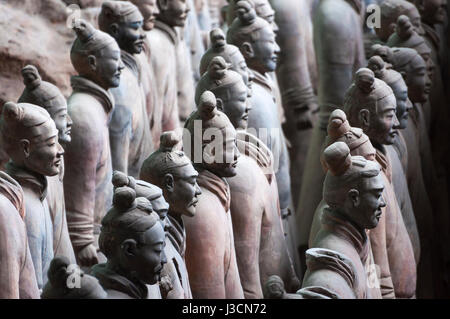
{"x": 96, "y": 55}
{"x": 229, "y": 53}
{"x": 353, "y": 186}
{"x": 339, "y": 130}
{"x": 143, "y": 189}
{"x": 432, "y": 11}
{"x": 255, "y": 39}
{"x": 263, "y": 9}
{"x": 413, "y": 68}
{"x": 149, "y": 10}
{"x": 370, "y": 104}
{"x": 30, "y": 138}
{"x": 212, "y": 138}
{"x": 48, "y": 96}
{"x": 398, "y": 86}
{"x": 172, "y": 171}
{"x": 390, "y": 11}
{"x": 132, "y": 237}
{"x": 384, "y": 52}
{"x": 123, "y": 21}
{"x": 173, "y": 12}
{"x": 229, "y": 89}
{"x": 59, "y": 274}
{"x": 406, "y": 37}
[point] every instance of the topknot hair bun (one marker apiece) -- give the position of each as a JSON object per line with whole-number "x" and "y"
{"x": 245, "y": 12}
{"x": 337, "y": 158}
{"x": 404, "y": 28}
{"x": 121, "y": 179}
{"x": 124, "y": 197}
{"x": 57, "y": 271}
{"x": 365, "y": 80}
{"x": 274, "y": 288}
{"x": 31, "y": 77}
{"x": 207, "y": 105}
{"x": 12, "y": 111}
{"x": 84, "y": 30}
{"x": 337, "y": 124}
{"x": 168, "y": 141}
{"x": 217, "y": 68}
{"x": 213, "y": 35}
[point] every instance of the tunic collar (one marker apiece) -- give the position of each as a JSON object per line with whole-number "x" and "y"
{"x": 132, "y": 63}
{"x": 382, "y": 159}
{"x": 36, "y": 181}
{"x": 11, "y": 190}
{"x": 263, "y": 80}
{"x": 216, "y": 185}
{"x": 177, "y": 234}
{"x": 81, "y": 84}
{"x": 343, "y": 228}
{"x": 171, "y": 32}
{"x": 109, "y": 279}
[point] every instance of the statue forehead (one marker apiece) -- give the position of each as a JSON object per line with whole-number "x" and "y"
{"x": 185, "y": 172}
{"x": 372, "y": 183}
{"x": 154, "y": 235}
{"x": 45, "y": 131}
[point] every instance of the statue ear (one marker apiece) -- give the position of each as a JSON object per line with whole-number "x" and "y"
{"x": 247, "y": 50}
{"x": 353, "y": 195}
{"x": 169, "y": 182}
{"x": 404, "y": 75}
{"x": 364, "y": 118}
{"x": 92, "y": 61}
{"x": 219, "y": 104}
{"x": 420, "y": 6}
{"x": 25, "y": 144}
{"x": 129, "y": 247}
{"x": 114, "y": 30}
{"x": 162, "y": 4}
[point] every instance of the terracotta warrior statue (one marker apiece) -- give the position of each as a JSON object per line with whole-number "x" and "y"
{"x": 149, "y": 10}
{"x": 163, "y": 41}
{"x": 263, "y": 9}
{"x": 61, "y": 272}
{"x": 255, "y": 39}
{"x": 172, "y": 171}
{"x": 339, "y": 130}
{"x": 210, "y": 142}
{"x": 160, "y": 206}
{"x": 409, "y": 194}
{"x": 95, "y": 55}
{"x": 406, "y": 37}
{"x": 30, "y": 139}
{"x": 353, "y": 191}
{"x": 370, "y": 104}
{"x": 129, "y": 128}
{"x": 254, "y": 196}
{"x": 18, "y": 279}
{"x": 339, "y": 53}
{"x": 231, "y": 55}
{"x": 49, "y": 97}
{"x": 390, "y": 11}
{"x": 133, "y": 239}
{"x": 414, "y": 70}
{"x": 295, "y": 82}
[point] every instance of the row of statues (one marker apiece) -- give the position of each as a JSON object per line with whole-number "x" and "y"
{"x": 173, "y": 171}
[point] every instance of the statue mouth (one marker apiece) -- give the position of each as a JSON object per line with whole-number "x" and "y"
{"x": 193, "y": 203}
{"x": 57, "y": 163}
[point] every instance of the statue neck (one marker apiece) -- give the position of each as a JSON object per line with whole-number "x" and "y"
{"x": 27, "y": 178}
{"x": 337, "y": 222}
